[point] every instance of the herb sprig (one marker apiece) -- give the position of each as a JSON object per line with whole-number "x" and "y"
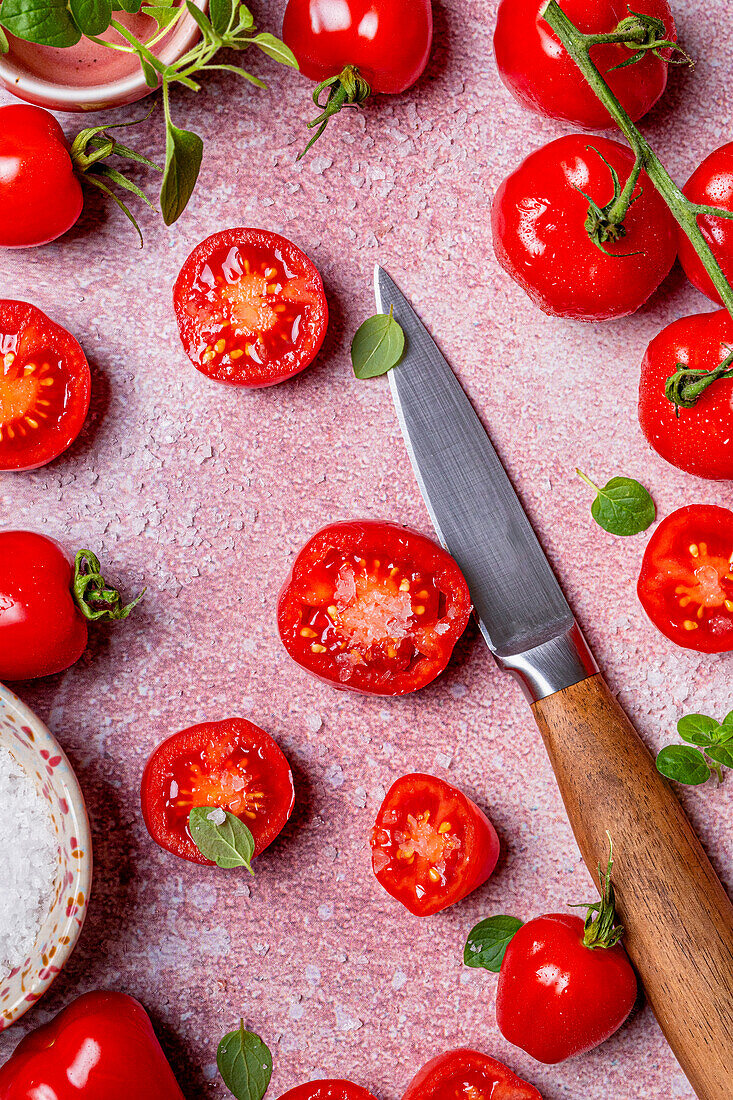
{"x": 709, "y": 749}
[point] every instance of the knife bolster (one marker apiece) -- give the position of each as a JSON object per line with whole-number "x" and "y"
{"x": 552, "y": 666}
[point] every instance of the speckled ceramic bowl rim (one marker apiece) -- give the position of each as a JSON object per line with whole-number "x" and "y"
{"x": 71, "y": 928}
{"x": 95, "y": 97}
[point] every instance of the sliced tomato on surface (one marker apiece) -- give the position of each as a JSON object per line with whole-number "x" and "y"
{"x": 686, "y": 580}
{"x": 373, "y": 607}
{"x": 468, "y": 1075}
{"x": 327, "y": 1090}
{"x": 431, "y": 845}
{"x": 45, "y": 386}
{"x": 233, "y": 765}
{"x": 250, "y": 307}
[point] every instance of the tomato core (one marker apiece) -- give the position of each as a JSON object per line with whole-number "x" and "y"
{"x": 31, "y": 392}
{"x": 710, "y": 585}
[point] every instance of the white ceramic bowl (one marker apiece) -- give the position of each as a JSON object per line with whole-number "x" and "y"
{"x": 38, "y": 752}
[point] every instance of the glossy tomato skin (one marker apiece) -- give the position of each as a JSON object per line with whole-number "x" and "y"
{"x": 348, "y": 612}
{"x": 232, "y": 764}
{"x": 538, "y": 71}
{"x": 40, "y": 196}
{"x": 126, "y": 1059}
{"x": 45, "y": 387}
{"x": 462, "y": 1074}
{"x": 686, "y": 579}
{"x": 697, "y": 441}
{"x": 335, "y": 1089}
{"x": 41, "y": 629}
{"x": 251, "y": 308}
{"x": 712, "y": 185}
{"x": 556, "y": 997}
{"x": 431, "y": 845}
{"x": 538, "y": 221}
{"x": 387, "y": 40}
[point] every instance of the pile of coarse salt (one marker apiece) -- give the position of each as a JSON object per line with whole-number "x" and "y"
{"x": 28, "y": 863}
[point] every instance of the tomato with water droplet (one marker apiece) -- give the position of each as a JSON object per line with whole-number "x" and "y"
{"x": 468, "y": 1075}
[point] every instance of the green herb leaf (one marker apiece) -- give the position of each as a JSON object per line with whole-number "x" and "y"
{"x": 45, "y": 22}
{"x": 238, "y": 72}
{"x": 228, "y": 845}
{"x": 275, "y": 49}
{"x": 163, "y": 15}
{"x": 487, "y": 942}
{"x": 245, "y": 1064}
{"x": 245, "y": 19}
{"x": 684, "y": 765}
{"x": 4, "y": 44}
{"x": 727, "y": 722}
{"x": 721, "y": 754}
{"x": 132, "y": 7}
{"x": 221, "y": 13}
{"x": 623, "y": 507}
{"x": 184, "y": 151}
{"x": 91, "y": 16}
{"x": 697, "y": 729}
{"x": 377, "y": 346}
{"x": 198, "y": 17}
{"x": 112, "y": 174}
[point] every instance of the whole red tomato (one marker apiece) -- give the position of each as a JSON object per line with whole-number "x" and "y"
{"x": 468, "y": 1075}
{"x": 40, "y": 196}
{"x": 557, "y": 997}
{"x": 711, "y": 185}
{"x": 538, "y": 71}
{"x": 686, "y": 394}
{"x": 555, "y": 234}
{"x": 100, "y": 1047}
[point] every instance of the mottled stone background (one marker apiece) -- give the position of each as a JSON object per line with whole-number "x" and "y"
{"x": 203, "y": 494}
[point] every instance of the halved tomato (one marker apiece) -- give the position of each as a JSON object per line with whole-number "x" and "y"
{"x": 468, "y": 1075}
{"x": 431, "y": 845}
{"x": 233, "y": 765}
{"x": 373, "y": 607}
{"x": 327, "y": 1090}
{"x": 45, "y": 386}
{"x": 686, "y": 580}
{"x": 250, "y": 307}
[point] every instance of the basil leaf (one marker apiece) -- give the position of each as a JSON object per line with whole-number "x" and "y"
{"x": 487, "y": 942}
{"x": 45, "y": 22}
{"x": 183, "y": 154}
{"x": 698, "y": 729}
{"x": 721, "y": 754}
{"x": 245, "y": 1064}
{"x": 221, "y": 13}
{"x": 684, "y": 765}
{"x": 228, "y": 845}
{"x": 623, "y": 507}
{"x": 275, "y": 49}
{"x": 91, "y": 16}
{"x": 377, "y": 346}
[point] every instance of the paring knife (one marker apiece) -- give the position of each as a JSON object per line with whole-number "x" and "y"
{"x": 678, "y": 918}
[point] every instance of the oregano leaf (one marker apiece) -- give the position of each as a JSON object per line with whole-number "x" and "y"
{"x": 91, "y": 16}
{"x": 275, "y": 49}
{"x": 683, "y": 764}
{"x": 4, "y": 44}
{"x": 184, "y": 151}
{"x": 245, "y": 1064}
{"x": 45, "y": 22}
{"x": 487, "y": 942}
{"x": 623, "y": 507}
{"x": 697, "y": 729}
{"x": 378, "y": 346}
{"x": 221, "y": 14}
{"x": 721, "y": 754}
{"x": 200, "y": 18}
{"x": 227, "y": 843}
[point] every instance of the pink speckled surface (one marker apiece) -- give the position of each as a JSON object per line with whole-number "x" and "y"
{"x": 204, "y": 493}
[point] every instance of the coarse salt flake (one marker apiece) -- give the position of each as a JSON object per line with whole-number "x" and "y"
{"x": 217, "y": 816}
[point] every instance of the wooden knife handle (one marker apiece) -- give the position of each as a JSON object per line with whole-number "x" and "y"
{"x": 678, "y": 918}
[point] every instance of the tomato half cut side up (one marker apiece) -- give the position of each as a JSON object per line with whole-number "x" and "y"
{"x": 233, "y": 765}
{"x": 45, "y": 387}
{"x": 686, "y": 580}
{"x": 373, "y": 607}
{"x": 431, "y": 845}
{"x": 251, "y": 308}
{"x": 468, "y": 1075}
{"x": 327, "y": 1090}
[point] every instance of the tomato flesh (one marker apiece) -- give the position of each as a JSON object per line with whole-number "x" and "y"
{"x": 327, "y": 1090}
{"x": 686, "y": 580}
{"x": 373, "y": 607}
{"x": 45, "y": 387}
{"x": 232, "y": 765}
{"x": 468, "y": 1075}
{"x": 431, "y": 846}
{"x": 251, "y": 308}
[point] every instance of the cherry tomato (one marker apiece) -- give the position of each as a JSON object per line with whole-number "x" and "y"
{"x": 712, "y": 185}
{"x": 686, "y": 580}
{"x": 538, "y": 71}
{"x": 233, "y": 765}
{"x": 250, "y": 306}
{"x": 40, "y": 196}
{"x": 431, "y": 845}
{"x": 468, "y": 1075}
{"x": 45, "y": 386}
{"x": 373, "y": 607}
{"x": 698, "y": 440}
{"x": 327, "y": 1090}
{"x": 556, "y": 997}
{"x": 540, "y": 237}
{"x": 388, "y": 41}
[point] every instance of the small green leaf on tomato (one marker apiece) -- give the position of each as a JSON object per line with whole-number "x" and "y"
{"x": 623, "y": 507}
{"x": 221, "y": 837}
{"x": 487, "y": 942}
{"x": 184, "y": 151}
{"x": 245, "y": 1064}
{"x": 697, "y": 729}
{"x": 45, "y": 22}
{"x": 683, "y": 764}
{"x": 377, "y": 346}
